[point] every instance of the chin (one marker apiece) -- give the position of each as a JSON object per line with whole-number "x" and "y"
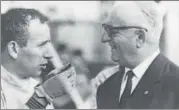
{"x": 118, "y": 61}
{"x": 115, "y": 59}
{"x": 38, "y": 73}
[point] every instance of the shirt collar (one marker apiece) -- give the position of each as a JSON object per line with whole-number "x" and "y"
{"x": 142, "y": 67}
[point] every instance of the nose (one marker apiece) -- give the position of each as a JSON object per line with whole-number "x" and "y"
{"x": 47, "y": 53}
{"x": 105, "y": 38}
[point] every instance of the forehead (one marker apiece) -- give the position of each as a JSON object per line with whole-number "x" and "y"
{"x": 38, "y": 31}
{"x": 126, "y": 14}
{"x": 116, "y": 17}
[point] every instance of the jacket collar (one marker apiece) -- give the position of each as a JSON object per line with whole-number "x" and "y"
{"x": 16, "y": 81}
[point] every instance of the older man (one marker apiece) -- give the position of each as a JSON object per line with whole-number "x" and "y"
{"x": 146, "y": 78}
{"x": 24, "y": 55}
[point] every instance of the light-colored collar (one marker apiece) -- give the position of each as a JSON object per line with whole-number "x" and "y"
{"x": 16, "y": 81}
{"x": 142, "y": 67}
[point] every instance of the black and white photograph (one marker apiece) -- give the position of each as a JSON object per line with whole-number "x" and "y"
{"x": 90, "y": 54}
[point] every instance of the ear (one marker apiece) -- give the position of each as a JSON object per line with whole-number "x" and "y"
{"x": 140, "y": 38}
{"x": 13, "y": 49}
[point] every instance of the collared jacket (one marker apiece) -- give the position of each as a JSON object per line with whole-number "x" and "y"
{"x": 157, "y": 89}
{"x": 15, "y": 92}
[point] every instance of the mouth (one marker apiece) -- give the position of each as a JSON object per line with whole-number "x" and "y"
{"x": 43, "y": 66}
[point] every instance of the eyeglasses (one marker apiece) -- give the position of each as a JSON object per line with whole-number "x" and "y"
{"x": 111, "y": 29}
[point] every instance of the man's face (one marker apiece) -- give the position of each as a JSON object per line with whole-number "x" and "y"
{"x": 33, "y": 57}
{"x": 121, "y": 41}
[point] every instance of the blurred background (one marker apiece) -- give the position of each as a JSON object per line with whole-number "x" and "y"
{"x": 76, "y": 34}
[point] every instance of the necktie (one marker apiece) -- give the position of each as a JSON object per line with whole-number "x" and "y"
{"x": 127, "y": 91}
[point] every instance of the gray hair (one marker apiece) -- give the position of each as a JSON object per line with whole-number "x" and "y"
{"x": 151, "y": 11}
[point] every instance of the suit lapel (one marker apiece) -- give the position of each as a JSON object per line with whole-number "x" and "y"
{"x": 113, "y": 89}
{"x": 143, "y": 93}
{"x": 118, "y": 81}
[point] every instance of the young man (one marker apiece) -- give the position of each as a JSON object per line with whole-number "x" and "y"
{"x": 25, "y": 52}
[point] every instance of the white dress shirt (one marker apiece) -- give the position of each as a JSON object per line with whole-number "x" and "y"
{"x": 138, "y": 73}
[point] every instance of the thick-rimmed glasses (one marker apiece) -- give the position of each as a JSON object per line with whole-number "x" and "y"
{"x": 110, "y": 30}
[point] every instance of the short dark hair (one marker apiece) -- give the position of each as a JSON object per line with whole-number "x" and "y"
{"x": 14, "y": 25}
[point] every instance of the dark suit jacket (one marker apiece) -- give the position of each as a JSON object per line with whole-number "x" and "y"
{"x": 158, "y": 88}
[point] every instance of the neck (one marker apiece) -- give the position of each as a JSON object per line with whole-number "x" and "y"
{"x": 12, "y": 67}
{"x": 141, "y": 56}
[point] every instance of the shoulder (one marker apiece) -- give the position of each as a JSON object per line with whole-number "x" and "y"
{"x": 171, "y": 69}
{"x": 171, "y": 74}
{"x": 168, "y": 67}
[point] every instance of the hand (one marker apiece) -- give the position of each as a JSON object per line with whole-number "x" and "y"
{"x": 53, "y": 71}
{"x": 53, "y": 85}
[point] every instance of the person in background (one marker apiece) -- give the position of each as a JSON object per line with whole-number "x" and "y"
{"x": 83, "y": 78}
{"x": 146, "y": 79}
{"x": 24, "y": 55}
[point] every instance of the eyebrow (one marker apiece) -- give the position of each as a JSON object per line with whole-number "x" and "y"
{"x": 123, "y": 27}
{"x": 113, "y": 27}
{"x": 43, "y": 43}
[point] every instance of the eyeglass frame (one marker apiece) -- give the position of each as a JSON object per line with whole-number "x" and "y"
{"x": 108, "y": 28}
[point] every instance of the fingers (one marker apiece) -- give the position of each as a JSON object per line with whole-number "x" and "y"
{"x": 57, "y": 71}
